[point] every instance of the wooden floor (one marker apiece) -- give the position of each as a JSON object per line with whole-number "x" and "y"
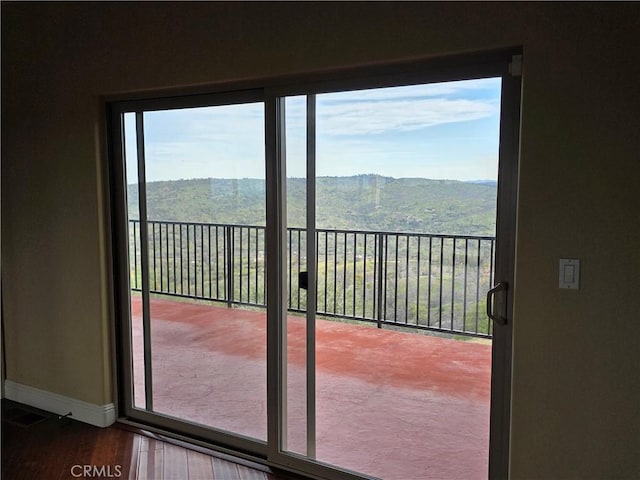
{"x": 39, "y": 445}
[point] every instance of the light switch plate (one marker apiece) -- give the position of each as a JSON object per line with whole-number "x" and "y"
{"x": 569, "y": 273}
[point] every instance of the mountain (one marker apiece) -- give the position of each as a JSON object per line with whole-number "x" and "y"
{"x": 492, "y": 183}
{"x": 361, "y": 202}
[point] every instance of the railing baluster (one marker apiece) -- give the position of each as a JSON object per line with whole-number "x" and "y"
{"x": 478, "y": 288}
{"x": 228, "y": 263}
{"x": 248, "y": 265}
{"x": 168, "y": 259}
{"x": 386, "y": 272}
{"x": 209, "y": 257}
{"x": 464, "y": 299}
{"x": 218, "y": 263}
{"x": 441, "y": 264}
{"x": 251, "y": 243}
{"x": 395, "y": 285}
{"x": 429, "y": 282}
{"x": 290, "y": 255}
{"x": 153, "y": 238}
{"x": 453, "y": 282}
{"x": 190, "y": 238}
{"x": 188, "y": 263}
{"x": 335, "y": 271}
{"x": 299, "y": 261}
{"x": 161, "y": 260}
{"x": 344, "y": 276}
{"x": 418, "y": 282}
{"x": 201, "y": 260}
{"x": 317, "y": 269}
{"x": 290, "y": 272}
{"x": 248, "y": 271}
{"x": 326, "y": 266}
{"x": 364, "y": 279}
{"x": 378, "y": 280}
{"x": 181, "y": 265}
{"x": 225, "y": 275}
{"x": 135, "y": 257}
{"x": 165, "y": 258}
{"x": 256, "y": 264}
{"x": 195, "y": 265}
{"x": 173, "y": 248}
{"x": 232, "y": 266}
{"x": 406, "y": 285}
{"x": 240, "y": 264}
{"x": 355, "y": 251}
{"x": 263, "y": 265}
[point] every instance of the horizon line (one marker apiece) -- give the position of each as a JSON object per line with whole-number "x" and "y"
{"x": 477, "y": 180}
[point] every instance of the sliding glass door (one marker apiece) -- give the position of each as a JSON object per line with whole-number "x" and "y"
{"x": 195, "y": 202}
{"x": 303, "y": 270}
{"x": 391, "y": 209}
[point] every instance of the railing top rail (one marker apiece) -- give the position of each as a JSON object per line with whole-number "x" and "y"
{"x": 204, "y": 224}
{"x": 401, "y": 234}
{"x": 330, "y": 230}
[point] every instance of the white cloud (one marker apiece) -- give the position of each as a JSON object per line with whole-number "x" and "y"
{"x": 376, "y": 111}
{"x": 361, "y": 118}
{"x": 449, "y": 89}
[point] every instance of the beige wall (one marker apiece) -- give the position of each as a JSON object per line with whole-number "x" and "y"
{"x": 576, "y": 388}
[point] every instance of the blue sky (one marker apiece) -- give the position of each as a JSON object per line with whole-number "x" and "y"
{"x": 445, "y": 131}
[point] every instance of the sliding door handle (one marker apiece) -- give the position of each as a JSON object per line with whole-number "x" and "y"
{"x": 303, "y": 280}
{"x": 500, "y": 287}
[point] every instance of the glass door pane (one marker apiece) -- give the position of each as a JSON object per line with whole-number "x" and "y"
{"x": 198, "y": 318}
{"x": 297, "y": 419}
{"x": 404, "y": 193}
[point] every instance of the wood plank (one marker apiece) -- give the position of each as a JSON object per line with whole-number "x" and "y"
{"x": 247, "y": 473}
{"x": 135, "y": 458}
{"x": 84, "y": 437}
{"x": 156, "y": 464}
{"x": 144, "y": 444}
{"x": 149, "y": 443}
{"x": 109, "y": 451}
{"x": 199, "y": 465}
{"x": 175, "y": 462}
{"x": 150, "y": 466}
{"x": 223, "y": 470}
{"x": 143, "y": 464}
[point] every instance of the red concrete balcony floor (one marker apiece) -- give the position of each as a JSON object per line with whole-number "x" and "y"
{"x": 395, "y": 405}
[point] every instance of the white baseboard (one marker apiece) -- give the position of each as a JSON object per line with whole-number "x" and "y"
{"x": 98, "y": 415}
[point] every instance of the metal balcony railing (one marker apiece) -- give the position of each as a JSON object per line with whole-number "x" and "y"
{"x": 415, "y": 280}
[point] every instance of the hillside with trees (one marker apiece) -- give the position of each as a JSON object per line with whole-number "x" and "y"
{"x": 362, "y": 202}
